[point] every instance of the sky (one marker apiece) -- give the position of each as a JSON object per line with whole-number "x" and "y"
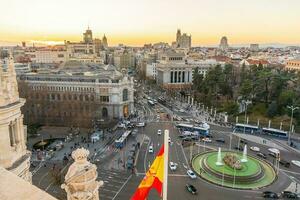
{"x": 136, "y": 22}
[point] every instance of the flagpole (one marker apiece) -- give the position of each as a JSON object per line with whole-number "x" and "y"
{"x": 166, "y": 158}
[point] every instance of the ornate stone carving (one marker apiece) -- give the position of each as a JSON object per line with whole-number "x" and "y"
{"x": 232, "y": 161}
{"x": 80, "y": 181}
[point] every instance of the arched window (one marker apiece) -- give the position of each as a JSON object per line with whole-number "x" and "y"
{"x": 125, "y": 94}
{"x": 104, "y": 112}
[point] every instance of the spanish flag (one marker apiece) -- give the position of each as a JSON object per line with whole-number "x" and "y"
{"x": 152, "y": 179}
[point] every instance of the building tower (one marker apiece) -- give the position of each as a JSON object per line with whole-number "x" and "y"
{"x": 178, "y": 36}
{"x": 13, "y": 153}
{"x": 80, "y": 180}
{"x": 104, "y": 42}
{"x": 88, "y": 36}
{"x": 223, "y": 43}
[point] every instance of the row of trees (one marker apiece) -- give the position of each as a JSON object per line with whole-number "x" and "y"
{"x": 269, "y": 88}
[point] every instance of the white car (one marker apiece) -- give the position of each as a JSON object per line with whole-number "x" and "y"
{"x": 141, "y": 124}
{"x": 150, "y": 149}
{"x": 157, "y": 116}
{"x": 173, "y": 166}
{"x": 256, "y": 149}
{"x": 169, "y": 140}
{"x": 206, "y": 140}
{"x": 159, "y": 132}
{"x": 191, "y": 174}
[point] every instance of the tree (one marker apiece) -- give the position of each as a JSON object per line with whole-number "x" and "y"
{"x": 272, "y": 109}
{"x": 246, "y": 89}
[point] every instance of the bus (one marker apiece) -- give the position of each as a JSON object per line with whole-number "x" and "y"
{"x": 201, "y": 129}
{"x": 247, "y": 128}
{"x": 275, "y": 132}
{"x": 119, "y": 143}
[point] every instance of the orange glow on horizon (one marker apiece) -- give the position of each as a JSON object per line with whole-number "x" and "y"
{"x": 137, "y": 22}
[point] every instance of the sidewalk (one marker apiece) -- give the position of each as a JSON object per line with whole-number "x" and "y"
{"x": 259, "y": 140}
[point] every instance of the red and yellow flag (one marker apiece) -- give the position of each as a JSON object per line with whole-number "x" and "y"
{"x": 153, "y": 178}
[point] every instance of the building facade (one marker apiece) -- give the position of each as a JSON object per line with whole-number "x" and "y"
{"x": 293, "y": 65}
{"x": 13, "y": 151}
{"x": 76, "y": 99}
{"x": 182, "y": 40}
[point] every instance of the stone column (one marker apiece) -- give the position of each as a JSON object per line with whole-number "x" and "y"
{"x": 12, "y": 129}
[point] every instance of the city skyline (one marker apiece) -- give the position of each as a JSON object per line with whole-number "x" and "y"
{"x": 138, "y": 22}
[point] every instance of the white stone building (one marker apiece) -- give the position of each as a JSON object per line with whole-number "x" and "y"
{"x": 13, "y": 134}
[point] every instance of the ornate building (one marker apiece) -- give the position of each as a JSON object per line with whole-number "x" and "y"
{"x": 224, "y": 43}
{"x": 77, "y": 95}
{"x": 183, "y": 40}
{"x": 13, "y": 153}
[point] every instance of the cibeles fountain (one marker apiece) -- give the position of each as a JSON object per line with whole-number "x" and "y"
{"x": 80, "y": 180}
{"x": 233, "y": 169}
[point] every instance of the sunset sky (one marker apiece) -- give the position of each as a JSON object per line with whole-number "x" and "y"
{"x": 136, "y": 22}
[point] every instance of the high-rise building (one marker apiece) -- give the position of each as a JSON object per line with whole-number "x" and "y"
{"x": 104, "y": 41}
{"x": 13, "y": 151}
{"x": 183, "y": 40}
{"x": 88, "y": 36}
{"x": 224, "y": 43}
{"x": 254, "y": 47}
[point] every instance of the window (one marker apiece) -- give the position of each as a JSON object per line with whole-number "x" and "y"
{"x": 125, "y": 95}
{"x": 104, "y": 98}
{"x": 104, "y": 112}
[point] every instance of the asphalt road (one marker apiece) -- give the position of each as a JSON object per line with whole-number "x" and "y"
{"x": 121, "y": 184}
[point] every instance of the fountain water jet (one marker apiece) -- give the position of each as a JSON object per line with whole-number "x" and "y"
{"x": 244, "y": 159}
{"x": 219, "y": 159}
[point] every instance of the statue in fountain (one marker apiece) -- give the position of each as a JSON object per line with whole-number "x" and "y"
{"x": 232, "y": 161}
{"x": 244, "y": 159}
{"x": 219, "y": 159}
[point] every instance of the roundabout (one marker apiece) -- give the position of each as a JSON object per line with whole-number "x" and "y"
{"x": 233, "y": 169}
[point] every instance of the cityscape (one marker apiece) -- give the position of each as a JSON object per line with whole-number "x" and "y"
{"x": 149, "y": 100}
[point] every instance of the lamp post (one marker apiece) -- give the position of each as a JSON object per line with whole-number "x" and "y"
{"x": 292, "y": 109}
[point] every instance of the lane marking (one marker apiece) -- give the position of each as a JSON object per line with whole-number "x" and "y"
{"x": 122, "y": 187}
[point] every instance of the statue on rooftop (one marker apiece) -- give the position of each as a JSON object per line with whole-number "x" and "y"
{"x": 80, "y": 180}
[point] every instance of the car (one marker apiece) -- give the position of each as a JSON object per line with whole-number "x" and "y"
{"x": 221, "y": 140}
{"x": 121, "y": 125}
{"x": 187, "y": 139}
{"x": 173, "y": 166}
{"x": 150, "y": 149}
{"x": 239, "y": 148}
{"x": 191, "y": 174}
{"x": 289, "y": 195}
{"x": 141, "y": 124}
{"x": 159, "y": 132}
{"x": 285, "y": 163}
{"x": 262, "y": 155}
{"x": 158, "y": 116}
{"x": 272, "y": 154}
{"x": 243, "y": 142}
{"x": 270, "y": 195}
{"x": 169, "y": 140}
{"x": 191, "y": 188}
{"x": 256, "y": 149}
{"x": 206, "y": 140}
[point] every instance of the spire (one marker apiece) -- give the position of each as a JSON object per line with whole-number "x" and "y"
{"x": 11, "y": 64}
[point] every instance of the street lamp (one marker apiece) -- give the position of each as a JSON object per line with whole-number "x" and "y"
{"x": 246, "y": 104}
{"x": 292, "y": 109}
